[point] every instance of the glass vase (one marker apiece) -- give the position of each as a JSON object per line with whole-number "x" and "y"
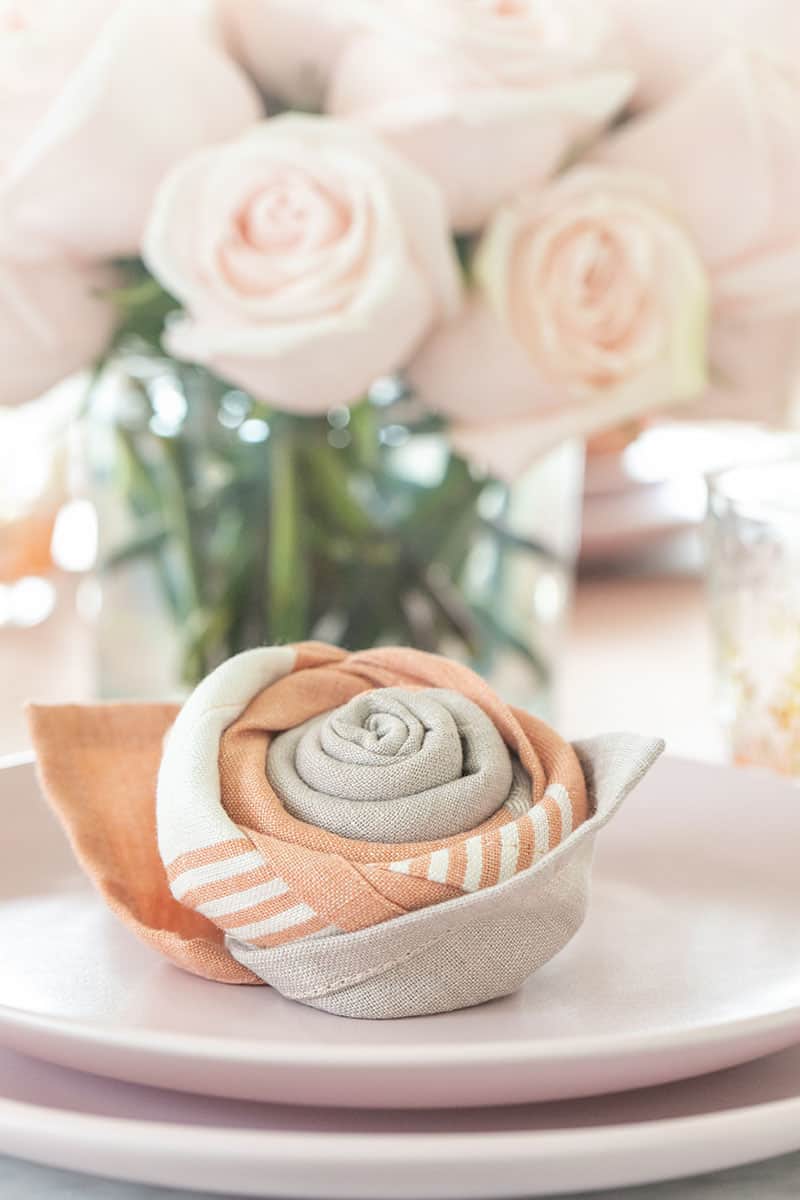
{"x": 225, "y": 525}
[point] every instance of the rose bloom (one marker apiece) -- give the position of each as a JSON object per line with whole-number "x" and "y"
{"x": 290, "y": 46}
{"x": 589, "y": 310}
{"x": 727, "y": 147}
{"x": 670, "y": 41}
{"x": 488, "y": 96}
{"x": 55, "y": 317}
{"x": 309, "y": 259}
{"x": 97, "y": 99}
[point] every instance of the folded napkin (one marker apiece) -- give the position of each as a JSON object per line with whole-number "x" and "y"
{"x": 375, "y": 834}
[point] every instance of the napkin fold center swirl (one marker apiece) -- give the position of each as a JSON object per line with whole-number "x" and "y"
{"x": 397, "y": 765}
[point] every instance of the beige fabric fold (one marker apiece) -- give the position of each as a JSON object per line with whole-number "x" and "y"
{"x": 470, "y": 949}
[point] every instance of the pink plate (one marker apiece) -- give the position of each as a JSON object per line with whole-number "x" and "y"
{"x": 80, "y": 1121}
{"x": 689, "y": 961}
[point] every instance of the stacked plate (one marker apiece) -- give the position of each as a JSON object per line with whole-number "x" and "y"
{"x": 657, "y": 1044}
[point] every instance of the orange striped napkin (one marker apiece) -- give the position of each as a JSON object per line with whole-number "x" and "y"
{"x": 304, "y": 799}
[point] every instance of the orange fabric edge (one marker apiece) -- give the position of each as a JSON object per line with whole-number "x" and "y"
{"x": 98, "y": 765}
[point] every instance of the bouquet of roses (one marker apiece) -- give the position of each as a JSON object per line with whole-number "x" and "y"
{"x": 517, "y": 220}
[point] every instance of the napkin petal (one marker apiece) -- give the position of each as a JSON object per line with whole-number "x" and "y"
{"x": 98, "y": 766}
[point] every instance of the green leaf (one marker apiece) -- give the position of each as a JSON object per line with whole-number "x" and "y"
{"x": 143, "y": 306}
{"x": 143, "y": 545}
{"x": 328, "y": 481}
{"x": 445, "y": 596}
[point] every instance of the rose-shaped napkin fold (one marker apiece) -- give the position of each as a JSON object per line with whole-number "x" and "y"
{"x": 375, "y": 834}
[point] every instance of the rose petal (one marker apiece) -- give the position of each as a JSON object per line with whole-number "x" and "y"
{"x": 452, "y": 100}
{"x": 83, "y": 178}
{"x": 746, "y": 111}
{"x": 54, "y": 319}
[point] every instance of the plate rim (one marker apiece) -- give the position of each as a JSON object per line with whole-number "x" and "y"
{"x": 642, "y": 1144}
{"x": 355, "y": 1141}
{"x": 466, "y": 1054}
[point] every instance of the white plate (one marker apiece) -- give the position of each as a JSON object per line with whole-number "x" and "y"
{"x": 689, "y": 961}
{"x": 67, "y": 1119}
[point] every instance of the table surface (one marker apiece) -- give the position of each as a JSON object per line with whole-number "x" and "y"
{"x": 778, "y": 1179}
{"x": 634, "y": 645}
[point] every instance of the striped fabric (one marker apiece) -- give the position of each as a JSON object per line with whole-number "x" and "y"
{"x": 235, "y": 855}
{"x": 514, "y": 847}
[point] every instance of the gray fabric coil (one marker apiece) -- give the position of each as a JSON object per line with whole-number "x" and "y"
{"x": 395, "y": 765}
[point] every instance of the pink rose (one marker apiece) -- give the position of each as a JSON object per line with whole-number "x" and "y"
{"x": 54, "y": 319}
{"x": 290, "y": 46}
{"x": 670, "y": 41}
{"x": 728, "y": 149}
{"x": 590, "y": 310}
{"x": 97, "y": 99}
{"x": 309, "y": 258}
{"x": 486, "y": 97}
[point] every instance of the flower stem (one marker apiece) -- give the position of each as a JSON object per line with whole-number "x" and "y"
{"x": 287, "y": 568}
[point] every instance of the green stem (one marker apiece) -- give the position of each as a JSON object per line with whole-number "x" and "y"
{"x": 364, "y": 432}
{"x": 146, "y": 502}
{"x": 287, "y": 581}
{"x": 181, "y": 520}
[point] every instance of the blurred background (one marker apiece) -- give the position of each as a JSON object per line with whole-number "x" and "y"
{"x": 502, "y": 365}
{"x": 635, "y": 640}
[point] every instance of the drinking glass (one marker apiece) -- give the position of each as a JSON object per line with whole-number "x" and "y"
{"x": 753, "y": 564}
